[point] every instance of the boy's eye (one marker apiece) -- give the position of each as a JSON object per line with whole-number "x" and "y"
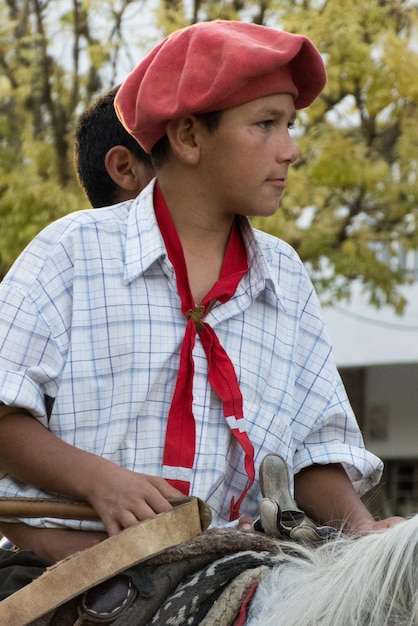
{"x": 265, "y": 123}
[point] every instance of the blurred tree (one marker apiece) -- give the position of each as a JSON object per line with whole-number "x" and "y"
{"x": 55, "y": 57}
{"x": 350, "y": 208}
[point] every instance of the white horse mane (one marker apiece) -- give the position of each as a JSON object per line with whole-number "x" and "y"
{"x": 367, "y": 581}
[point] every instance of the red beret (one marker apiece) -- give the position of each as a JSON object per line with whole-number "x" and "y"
{"x": 212, "y": 66}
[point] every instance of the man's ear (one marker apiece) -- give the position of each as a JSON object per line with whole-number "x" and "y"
{"x": 183, "y": 134}
{"x": 126, "y": 171}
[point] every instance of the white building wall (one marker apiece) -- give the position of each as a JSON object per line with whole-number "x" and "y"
{"x": 391, "y": 411}
{"x": 386, "y": 345}
{"x": 362, "y": 335}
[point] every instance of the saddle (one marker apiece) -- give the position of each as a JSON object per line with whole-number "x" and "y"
{"x": 71, "y": 577}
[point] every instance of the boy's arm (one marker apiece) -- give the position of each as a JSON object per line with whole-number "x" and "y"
{"x": 53, "y": 544}
{"x": 327, "y": 495}
{"x": 32, "y": 454}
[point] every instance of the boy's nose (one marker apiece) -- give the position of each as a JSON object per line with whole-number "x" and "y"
{"x": 287, "y": 150}
{"x": 292, "y": 150}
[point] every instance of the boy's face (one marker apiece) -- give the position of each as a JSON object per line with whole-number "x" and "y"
{"x": 246, "y": 159}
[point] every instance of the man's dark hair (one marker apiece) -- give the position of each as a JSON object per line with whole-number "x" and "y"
{"x": 159, "y": 152}
{"x": 99, "y": 129}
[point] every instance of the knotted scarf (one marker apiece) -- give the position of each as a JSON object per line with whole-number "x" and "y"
{"x": 180, "y": 440}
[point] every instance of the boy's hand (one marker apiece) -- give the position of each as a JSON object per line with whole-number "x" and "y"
{"x": 122, "y": 498}
{"x": 377, "y": 525}
{"x": 246, "y": 524}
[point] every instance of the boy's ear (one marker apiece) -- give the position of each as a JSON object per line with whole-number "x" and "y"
{"x": 183, "y": 135}
{"x": 126, "y": 171}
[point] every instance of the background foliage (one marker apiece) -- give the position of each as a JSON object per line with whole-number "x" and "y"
{"x": 351, "y": 204}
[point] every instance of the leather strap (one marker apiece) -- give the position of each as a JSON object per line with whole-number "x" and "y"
{"x": 46, "y": 507}
{"x": 71, "y": 577}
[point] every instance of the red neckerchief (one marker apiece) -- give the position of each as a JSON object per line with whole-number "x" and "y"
{"x": 180, "y": 439}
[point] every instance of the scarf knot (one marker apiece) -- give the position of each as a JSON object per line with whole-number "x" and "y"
{"x": 196, "y": 315}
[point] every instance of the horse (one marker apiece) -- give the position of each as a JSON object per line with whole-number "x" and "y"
{"x": 371, "y": 580}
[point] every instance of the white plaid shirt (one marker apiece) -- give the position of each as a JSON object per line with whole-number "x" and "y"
{"x": 90, "y": 317}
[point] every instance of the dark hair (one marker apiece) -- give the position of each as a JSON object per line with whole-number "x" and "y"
{"x": 99, "y": 129}
{"x": 159, "y": 152}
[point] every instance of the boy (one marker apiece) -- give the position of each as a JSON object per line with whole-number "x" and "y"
{"x": 137, "y": 337}
{"x": 111, "y": 165}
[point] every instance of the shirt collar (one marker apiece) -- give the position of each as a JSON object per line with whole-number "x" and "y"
{"x": 144, "y": 243}
{"x": 259, "y": 260}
